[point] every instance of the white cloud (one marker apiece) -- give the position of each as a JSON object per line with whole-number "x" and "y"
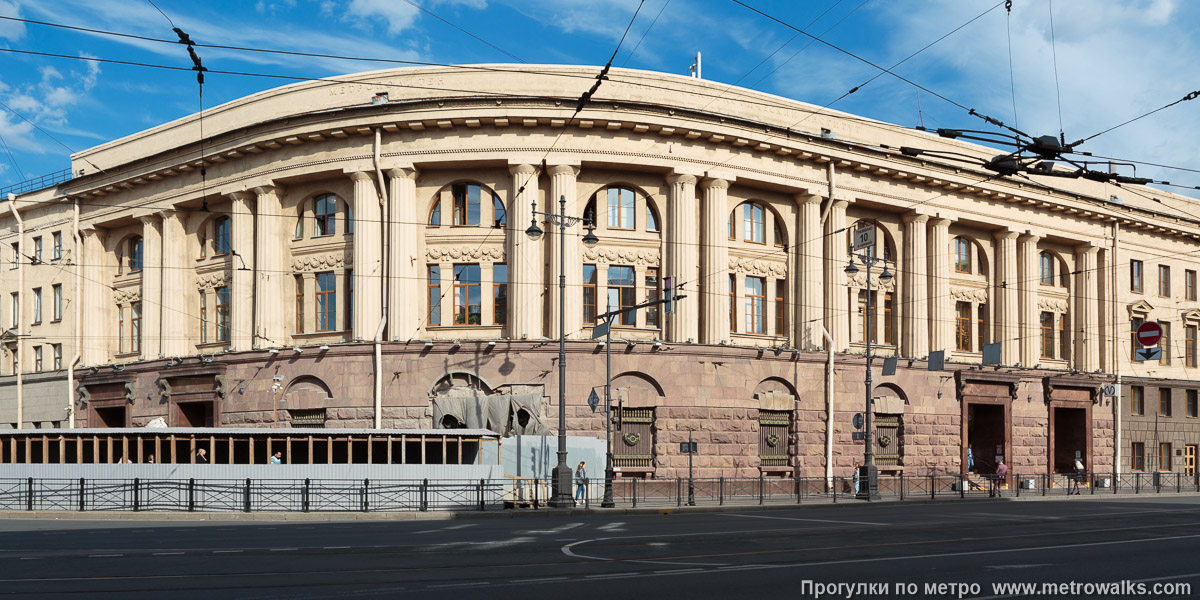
{"x": 11, "y": 30}
{"x": 397, "y": 14}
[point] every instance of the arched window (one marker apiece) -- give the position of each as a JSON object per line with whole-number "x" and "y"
{"x": 731, "y": 230}
{"x": 621, "y": 201}
{"x": 1046, "y": 268}
{"x": 135, "y": 253}
{"x": 753, "y": 222}
{"x": 499, "y": 215}
{"x": 325, "y": 213}
{"x": 466, "y": 203}
{"x": 221, "y": 235}
{"x": 780, "y": 237}
{"x": 962, "y": 255}
{"x": 651, "y": 218}
{"x": 435, "y": 213}
{"x": 349, "y": 218}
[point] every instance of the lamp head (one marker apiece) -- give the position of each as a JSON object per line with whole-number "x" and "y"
{"x": 534, "y": 232}
{"x": 886, "y": 276}
{"x": 851, "y": 269}
{"x": 590, "y": 239}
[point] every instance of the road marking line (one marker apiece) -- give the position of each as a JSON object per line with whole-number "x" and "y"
{"x": 283, "y": 549}
{"x": 166, "y": 554}
{"x": 454, "y": 585}
{"x": 672, "y": 562}
{"x": 227, "y": 551}
{"x": 559, "y": 529}
{"x": 1005, "y": 567}
{"x": 336, "y": 547}
{"x": 666, "y": 571}
{"x": 31, "y": 558}
{"x": 104, "y": 555}
{"x": 799, "y": 519}
{"x": 538, "y": 580}
{"x": 464, "y": 526}
{"x": 1022, "y": 517}
{"x": 612, "y": 575}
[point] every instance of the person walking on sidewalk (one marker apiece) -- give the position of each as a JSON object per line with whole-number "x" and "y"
{"x": 998, "y": 479}
{"x": 1079, "y": 474}
{"x": 580, "y": 481}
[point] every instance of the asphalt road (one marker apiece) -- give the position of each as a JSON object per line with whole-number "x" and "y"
{"x": 747, "y": 554}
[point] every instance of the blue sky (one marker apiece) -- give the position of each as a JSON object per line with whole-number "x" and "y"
{"x": 1116, "y": 59}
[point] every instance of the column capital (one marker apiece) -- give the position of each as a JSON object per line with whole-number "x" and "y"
{"x": 807, "y": 197}
{"x": 1029, "y": 238}
{"x": 916, "y": 217}
{"x": 714, "y": 183}
{"x": 149, "y": 218}
{"x": 1004, "y": 234}
{"x": 263, "y": 190}
{"x": 684, "y": 178}
{"x": 1087, "y": 248}
{"x": 940, "y": 222}
{"x": 841, "y": 203}
{"x": 523, "y": 169}
{"x": 241, "y": 196}
{"x": 409, "y": 172}
{"x": 357, "y": 176}
{"x": 573, "y": 170}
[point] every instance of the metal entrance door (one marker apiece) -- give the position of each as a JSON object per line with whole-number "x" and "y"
{"x": 1189, "y": 459}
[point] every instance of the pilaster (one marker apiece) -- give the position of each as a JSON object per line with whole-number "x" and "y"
{"x": 915, "y": 286}
{"x": 1086, "y": 302}
{"x": 808, "y": 281}
{"x": 176, "y": 324}
{"x": 404, "y": 254}
{"x": 941, "y": 319}
{"x": 683, "y": 256}
{"x": 368, "y": 256}
{"x": 527, "y": 277}
{"x": 714, "y": 299}
{"x": 1027, "y": 287}
{"x": 241, "y": 301}
{"x": 1007, "y": 319}
{"x": 270, "y": 269}
{"x": 152, "y": 288}
{"x": 98, "y": 322}
{"x": 837, "y": 318}
{"x": 562, "y": 186}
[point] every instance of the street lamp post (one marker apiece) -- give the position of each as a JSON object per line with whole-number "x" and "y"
{"x": 870, "y": 474}
{"x": 561, "y": 483}
{"x": 607, "y": 501}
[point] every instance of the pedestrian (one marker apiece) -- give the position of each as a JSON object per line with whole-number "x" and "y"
{"x": 151, "y": 460}
{"x": 202, "y": 457}
{"x": 580, "y": 481}
{"x": 1079, "y": 475}
{"x": 277, "y": 458}
{"x": 857, "y": 476}
{"x": 970, "y": 458}
{"x": 999, "y": 479}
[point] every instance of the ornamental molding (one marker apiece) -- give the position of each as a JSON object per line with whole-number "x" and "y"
{"x": 859, "y": 280}
{"x": 1058, "y": 305}
{"x": 438, "y": 254}
{"x": 1141, "y": 307}
{"x": 622, "y": 256}
{"x": 321, "y": 262}
{"x": 758, "y": 268}
{"x": 128, "y": 295}
{"x": 964, "y": 294}
{"x": 1192, "y": 315}
{"x": 212, "y": 280}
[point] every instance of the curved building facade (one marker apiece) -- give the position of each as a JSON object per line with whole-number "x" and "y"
{"x": 353, "y": 253}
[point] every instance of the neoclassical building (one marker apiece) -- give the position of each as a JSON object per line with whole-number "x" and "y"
{"x": 352, "y": 253}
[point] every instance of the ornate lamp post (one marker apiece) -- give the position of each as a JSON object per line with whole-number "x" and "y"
{"x": 869, "y": 477}
{"x": 561, "y": 485}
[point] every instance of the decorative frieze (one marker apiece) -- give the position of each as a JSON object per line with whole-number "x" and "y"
{"x": 128, "y": 295}
{"x": 1057, "y": 305}
{"x": 964, "y": 294}
{"x": 212, "y": 280}
{"x": 859, "y": 280}
{"x": 621, "y": 256}
{"x": 758, "y": 268}
{"x": 319, "y": 262}
{"x": 477, "y": 253}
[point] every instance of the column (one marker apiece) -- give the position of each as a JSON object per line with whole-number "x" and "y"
{"x": 526, "y": 273}
{"x": 714, "y": 301}
{"x": 1005, "y": 307}
{"x": 270, "y": 269}
{"x": 1086, "y": 301}
{"x": 1104, "y": 332}
{"x": 176, "y": 319}
{"x": 405, "y": 265}
{"x": 941, "y": 320}
{"x": 808, "y": 281}
{"x": 915, "y": 287}
{"x": 837, "y": 318}
{"x": 98, "y": 325}
{"x": 562, "y": 185}
{"x": 683, "y": 257}
{"x": 153, "y": 305}
{"x": 368, "y": 256}
{"x": 1027, "y": 286}
{"x": 241, "y": 326}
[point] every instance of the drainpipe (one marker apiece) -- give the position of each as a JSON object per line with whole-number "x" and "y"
{"x": 12, "y": 205}
{"x": 828, "y": 407}
{"x": 378, "y": 367}
{"x": 1116, "y": 357}
{"x": 78, "y": 293}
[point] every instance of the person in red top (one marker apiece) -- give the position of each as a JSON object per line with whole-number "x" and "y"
{"x": 998, "y": 478}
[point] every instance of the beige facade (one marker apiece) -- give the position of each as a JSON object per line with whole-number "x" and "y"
{"x": 390, "y": 212}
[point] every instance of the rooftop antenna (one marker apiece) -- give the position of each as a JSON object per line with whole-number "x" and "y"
{"x": 695, "y": 68}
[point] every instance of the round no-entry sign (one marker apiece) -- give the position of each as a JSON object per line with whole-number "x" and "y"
{"x": 1149, "y": 333}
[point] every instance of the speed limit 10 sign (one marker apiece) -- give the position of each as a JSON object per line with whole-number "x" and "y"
{"x": 1149, "y": 333}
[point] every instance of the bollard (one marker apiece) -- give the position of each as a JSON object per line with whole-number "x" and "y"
{"x": 1017, "y": 480}
{"x": 191, "y": 495}
{"x": 29, "y": 494}
{"x": 536, "y": 484}
{"x": 932, "y": 488}
{"x": 424, "y": 495}
{"x": 962, "y": 486}
{"x": 482, "y": 507}
{"x": 760, "y": 489}
{"x": 304, "y": 495}
{"x": 836, "y": 487}
{"x": 246, "y": 496}
{"x": 137, "y": 494}
{"x": 1092, "y": 492}
{"x": 678, "y": 491}
{"x": 1045, "y": 483}
{"x": 81, "y": 498}
{"x": 901, "y": 485}
{"x": 635, "y": 480}
{"x": 366, "y": 495}
{"x": 721, "y": 492}
{"x": 1178, "y": 482}
{"x": 797, "y": 481}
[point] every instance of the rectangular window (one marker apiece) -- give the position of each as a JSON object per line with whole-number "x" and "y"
{"x": 1064, "y": 338}
{"x": 622, "y": 294}
{"x": 135, "y": 327}
{"x": 37, "y": 249}
{"x": 1165, "y": 343}
{"x": 1137, "y": 456}
{"x": 466, "y": 203}
{"x": 1191, "y": 403}
{"x": 651, "y": 284}
{"x": 1164, "y": 456}
{"x": 755, "y": 305}
{"x": 1047, "y": 335}
{"x": 1189, "y": 346}
{"x": 57, "y": 356}
{"x": 326, "y": 301}
{"x": 349, "y": 300}
{"x": 56, "y": 253}
{"x": 889, "y": 332}
{"x": 732, "y": 303}
{"x": 499, "y": 294}
{"x": 981, "y": 318}
{"x": 962, "y": 256}
{"x": 37, "y": 306}
{"x": 753, "y": 222}
{"x": 620, "y": 208}
{"x": 299, "y": 303}
{"x": 589, "y": 294}
{"x": 1164, "y": 281}
{"x": 1164, "y": 402}
{"x": 467, "y": 302}
{"x": 223, "y": 314}
{"x": 1135, "y": 276}
{"x": 1189, "y": 284}
{"x": 57, "y": 292}
{"x": 120, "y": 330}
{"x": 16, "y": 254}
{"x": 434, "y": 292}
{"x": 1137, "y": 400}
{"x": 781, "y": 308}
{"x": 863, "y": 325}
{"x": 37, "y": 359}
{"x": 203, "y": 318}
{"x": 16, "y": 309}
{"x": 962, "y": 329}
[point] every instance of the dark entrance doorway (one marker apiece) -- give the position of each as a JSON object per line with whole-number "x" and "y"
{"x": 985, "y": 435}
{"x": 113, "y": 416}
{"x": 1070, "y": 436}
{"x": 195, "y": 414}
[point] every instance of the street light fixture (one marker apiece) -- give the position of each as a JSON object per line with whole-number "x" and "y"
{"x": 561, "y": 486}
{"x": 869, "y": 477}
